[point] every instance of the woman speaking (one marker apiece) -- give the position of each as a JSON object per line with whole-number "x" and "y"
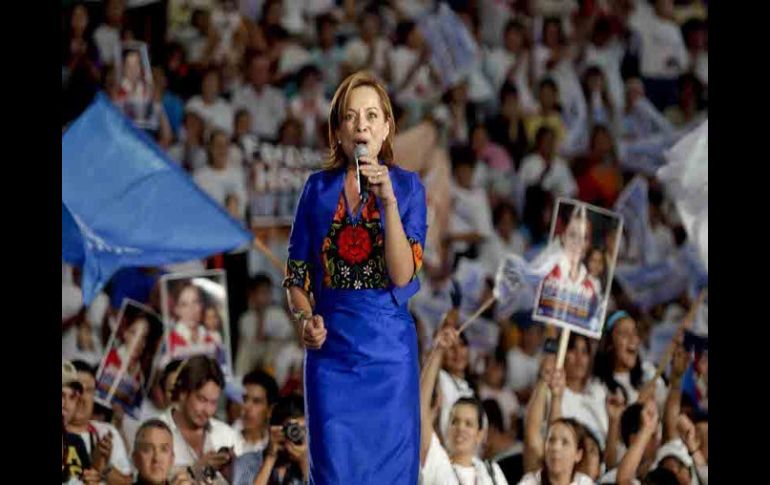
{"x": 356, "y": 245}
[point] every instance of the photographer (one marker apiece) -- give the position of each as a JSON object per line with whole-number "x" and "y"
{"x": 285, "y": 459}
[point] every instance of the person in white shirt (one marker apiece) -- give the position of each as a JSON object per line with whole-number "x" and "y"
{"x": 564, "y": 449}
{"x": 546, "y": 169}
{"x": 493, "y": 387}
{"x": 369, "y": 49}
{"x": 470, "y": 223}
{"x": 512, "y": 63}
{"x": 310, "y": 106}
{"x": 264, "y": 329}
{"x": 411, "y": 75}
{"x": 524, "y": 360}
{"x": 220, "y": 178}
{"x": 452, "y": 379}
{"x": 266, "y": 104}
{"x": 326, "y": 54}
{"x": 457, "y": 463}
{"x": 107, "y": 35}
{"x": 215, "y": 111}
{"x": 606, "y": 52}
{"x": 260, "y": 392}
{"x": 102, "y": 440}
{"x": 201, "y": 442}
{"x": 153, "y": 456}
{"x": 507, "y": 238}
{"x": 190, "y": 151}
{"x": 664, "y": 56}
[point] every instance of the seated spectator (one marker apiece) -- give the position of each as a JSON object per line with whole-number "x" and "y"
{"x": 511, "y": 63}
{"x": 508, "y": 237}
{"x": 548, "y": 114}
{"x": 199, "y": 438}
{"x": 327, "y": 55}
{"x": 107, "y": 35}
{"x": 368, "y": 50}
{"x": 190, "y": 150}
{"x": 153, "y": 456}
{"x": 524, "y": 359}
{"x": 545, "y": 168}
{"x": 266, "y": 104}
{"x": 690, "y": 105}
{"x": 606, "y": 51}
{"x": 310, "y": 105}
{"x": 598, "y": 174}
{"x": 220, "y": 177}
{"x": 263, "y": 330}
{"x": 103, "y": 442}
{"x": 564, "y": 448}
{"x": 507, "y": 128}
{"x": 216, "y": 113}
{"x": 492, "y": 387}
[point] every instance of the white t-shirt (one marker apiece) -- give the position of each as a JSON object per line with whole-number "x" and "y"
{"x": 496, "y": 249}
{"x": 276, "y": 324}
{"x": 589, "y": 408}
{"x": 218, "y": 114}
{"x": 608, "y": 58}
{"x": 522, "y": 369}
{"x": 439, "y": 470}
{"x": 118, "y": 457}
{"x": 267, "y": 109}
{"x": 534, "y": 478}
{"x": 497, "y": 63}
{"x": 217, "y": 436}
{"x": 107, "y": 39}
{"x": 663, "y": 53}
{"x": 452, "y": 389}
{"x": 612, "y": 477}
{"x": 470, "y": 213}
{"x": 311, "y": 113}
{"x": 402, "y": 59}
{"x": 220, "y": 183}
{"x": 558, "y": 180}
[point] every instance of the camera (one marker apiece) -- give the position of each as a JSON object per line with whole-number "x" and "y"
{"x": 294, "y": 432}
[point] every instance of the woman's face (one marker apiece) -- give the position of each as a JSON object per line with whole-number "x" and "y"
{"x": 625, "y": 339}
{"x": 219, "y": 146}
{"x": 456, "y": 358}
{"x": 506, "y": 224}
{"x": 464, "y": 435}
{"x": 211, "y": 320}
{"x": 591, "y": 464}
{"x": 547, "y": 98}
{"x": 578, "y": 359}
{"x": 243, "y": 124}
{"x": 494, "y": 374}
{"x": 363, "y": 121}
{"x": 551, "y": 35}
{"x": 79, "y": 20}
{"x": 189, "y": 307}
{"x": 561, "y": 450}
{"x": 596, "y": 264}
{"x": 576, "y": 238}
{"x": 135, "y": 337}
{"x": 514, "y": 40}
{"x": 132, "y": 67}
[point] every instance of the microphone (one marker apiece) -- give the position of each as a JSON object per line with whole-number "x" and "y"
{"x": 363, "y": 187}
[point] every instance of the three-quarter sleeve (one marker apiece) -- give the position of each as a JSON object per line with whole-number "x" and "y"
{"x": 299, "y": 265}
{"x": 415, "y": 223}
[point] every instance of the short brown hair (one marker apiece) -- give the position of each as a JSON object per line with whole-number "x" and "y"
{"x": 336, "y": 157}
{"x": 195, "y": 372}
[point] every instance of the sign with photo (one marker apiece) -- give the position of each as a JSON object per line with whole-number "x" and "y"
{"x": 135, "y": 87}
{"x": 195, "y": 311}
{"x": 126, "y": 368}
{"x": 576, "y": 288}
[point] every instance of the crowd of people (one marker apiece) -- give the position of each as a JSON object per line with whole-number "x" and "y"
{"x": 565, "y": 98}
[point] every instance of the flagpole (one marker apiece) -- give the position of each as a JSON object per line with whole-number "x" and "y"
{"x": 260, "y": 245}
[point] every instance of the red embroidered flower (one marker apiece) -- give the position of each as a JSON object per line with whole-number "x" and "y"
{"x": 354, "y": 244}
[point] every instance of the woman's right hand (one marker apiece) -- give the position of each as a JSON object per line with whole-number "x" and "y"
{"x": 446, "y": 338}
{"x": 313, "y": 332}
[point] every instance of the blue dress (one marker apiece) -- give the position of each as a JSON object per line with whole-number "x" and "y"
{"x": 362, "y": 386}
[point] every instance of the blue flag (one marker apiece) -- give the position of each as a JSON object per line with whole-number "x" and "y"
{"x": 124, "y": 203}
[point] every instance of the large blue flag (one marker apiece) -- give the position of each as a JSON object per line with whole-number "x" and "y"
{"x": 124, "y": 203}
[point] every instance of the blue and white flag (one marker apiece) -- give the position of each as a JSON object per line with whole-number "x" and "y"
{"x": 686, "y": 179}
{"x": 649, "y": 285}
{"x": 124, "y": 203}
{"x": 453, "y": 48}
{"x": 633, "y": 205}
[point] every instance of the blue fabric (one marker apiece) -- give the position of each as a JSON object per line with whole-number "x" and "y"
{"x": 362, "y": 391}
{"x": 174, "y": 108}
{"x": 132, "y": 283}
{"x": 362, "y": 386}
{"x": 130, "y": 204}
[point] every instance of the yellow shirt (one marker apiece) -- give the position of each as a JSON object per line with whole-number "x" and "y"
{"x": 553, "y": 120}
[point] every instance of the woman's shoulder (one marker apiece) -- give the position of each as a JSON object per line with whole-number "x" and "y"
{"x": 531, "y": 478}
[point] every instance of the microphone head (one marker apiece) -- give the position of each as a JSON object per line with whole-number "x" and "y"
{"x": 361, "y": 150}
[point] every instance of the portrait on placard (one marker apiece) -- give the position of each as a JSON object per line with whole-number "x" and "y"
{"x": 135, "y": 86}
{"x": 126, "y": 368}
{"x": 575, "y": 291}
{"x": 194, "y": 309}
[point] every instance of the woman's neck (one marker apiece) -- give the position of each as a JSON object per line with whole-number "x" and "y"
{"x": 253, "y": 435}
{"x": 462, "y": 459}
{"x": 559, "y": 478}
{"x": 576, "y": 385}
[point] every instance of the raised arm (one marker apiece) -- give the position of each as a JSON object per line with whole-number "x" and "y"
{"x": 446, "y": 337}
{"x": 534, "y": 445}
{"x": 633, "y": 458}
